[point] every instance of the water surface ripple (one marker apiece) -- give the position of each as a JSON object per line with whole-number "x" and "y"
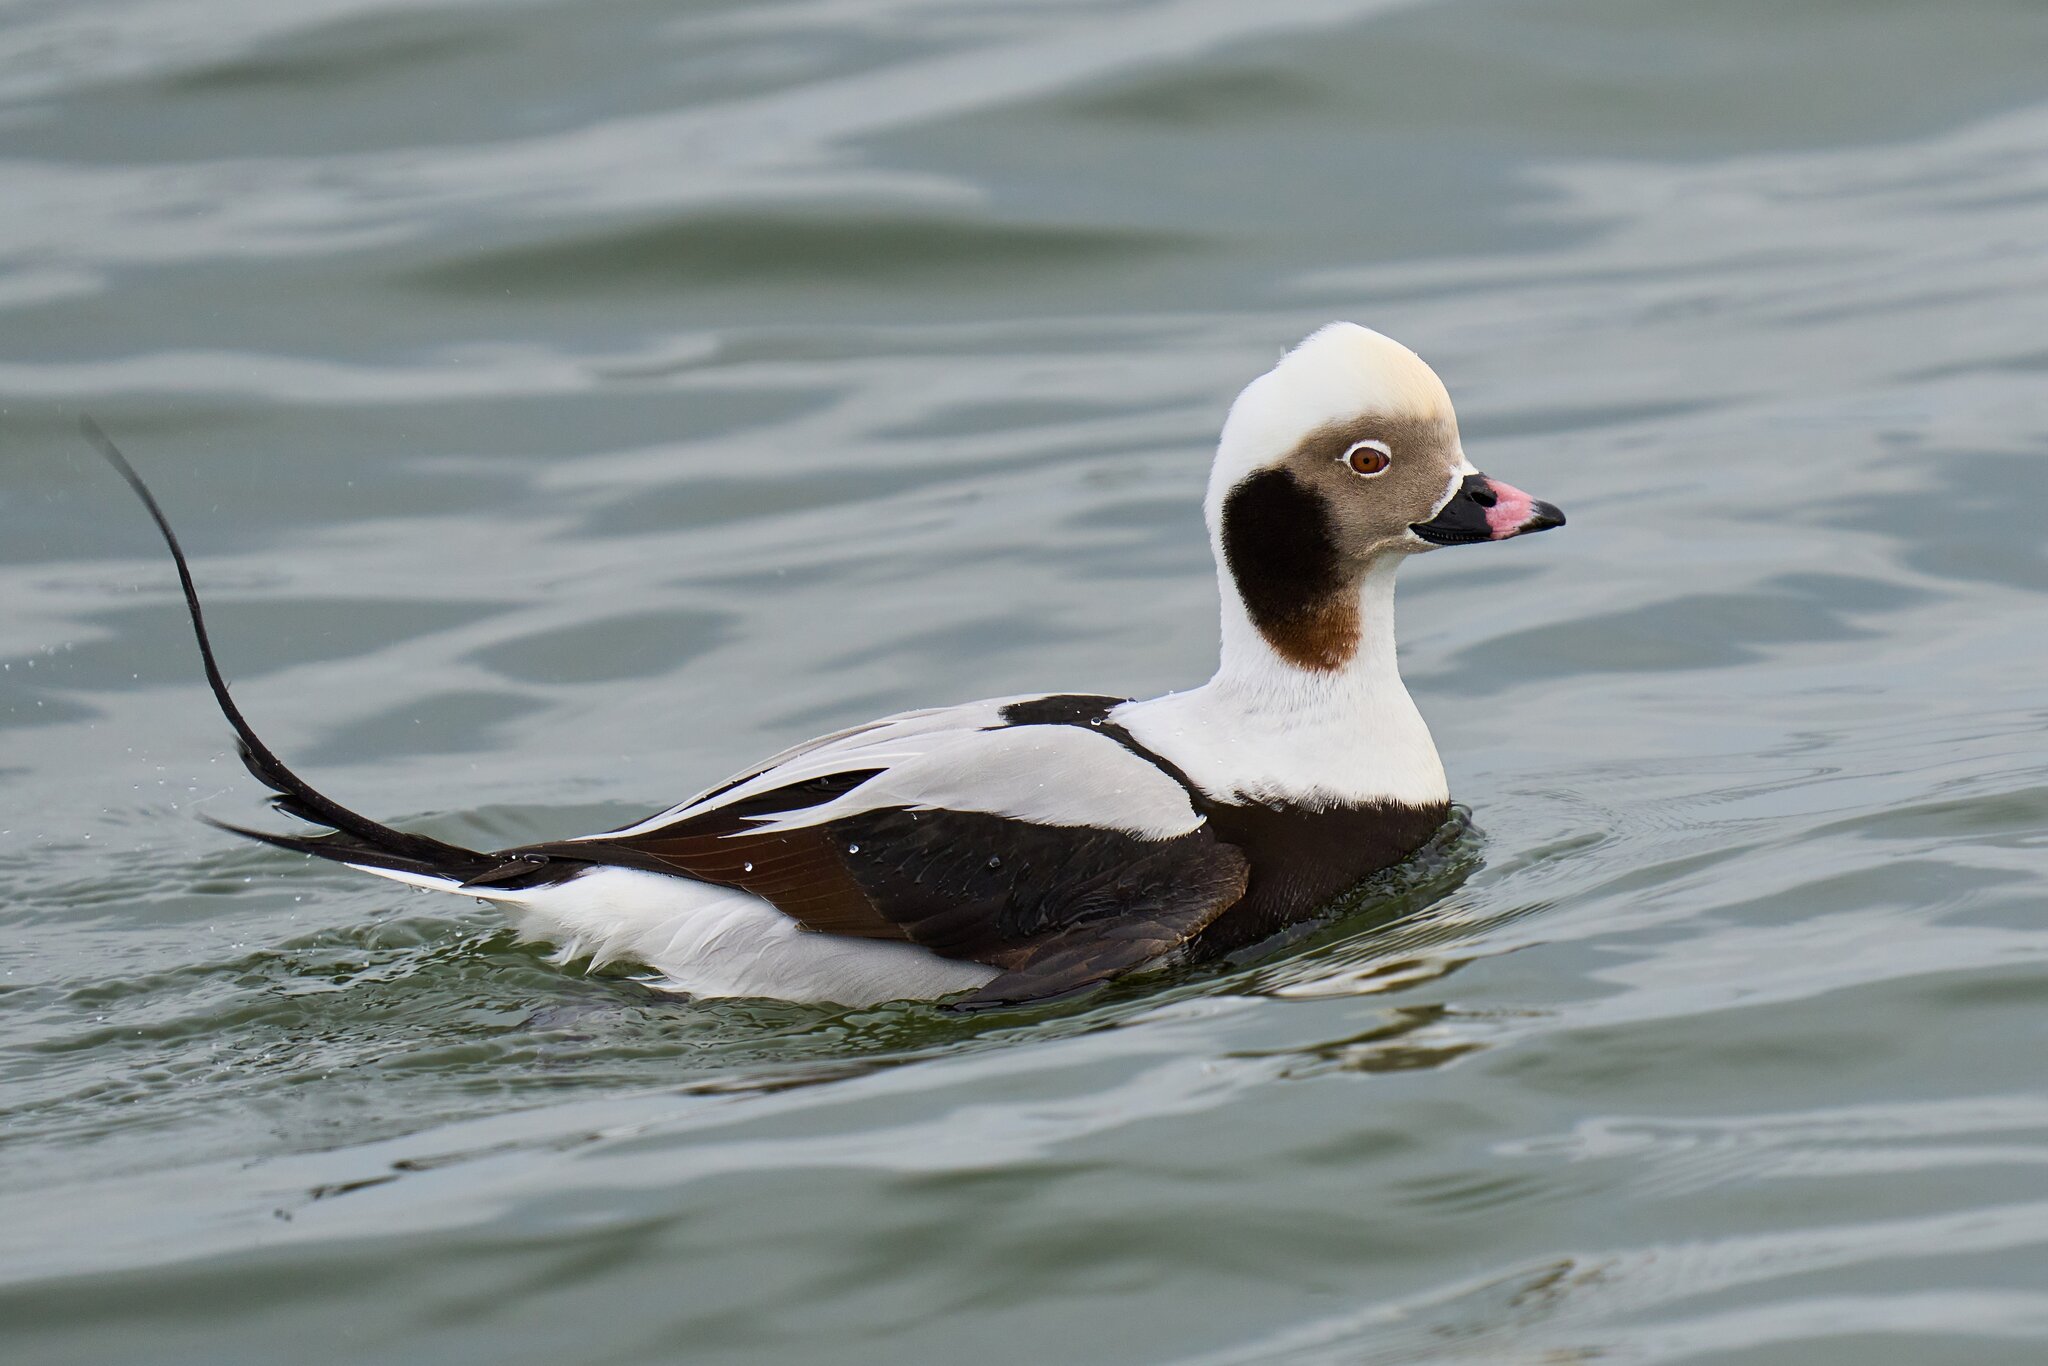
{"x": 567, "y": 403}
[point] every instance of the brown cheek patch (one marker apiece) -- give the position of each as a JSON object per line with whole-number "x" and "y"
{"x": 1281, "y": 546}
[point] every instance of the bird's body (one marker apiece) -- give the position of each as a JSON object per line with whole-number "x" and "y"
{"x": 1029, "y": 846}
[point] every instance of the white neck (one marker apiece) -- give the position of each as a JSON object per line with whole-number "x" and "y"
{"x": 1265, "y": 729}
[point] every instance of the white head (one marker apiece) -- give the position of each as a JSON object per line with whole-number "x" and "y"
{"x": 1343, "y": 457}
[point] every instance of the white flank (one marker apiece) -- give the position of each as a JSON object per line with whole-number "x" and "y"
{"x": 860, "y": 741}
{"x": 854, "y": 740}
{"x": 1048, "y": 775}
{"x": 705, "y": 940}
{"x": 946, "y": 759}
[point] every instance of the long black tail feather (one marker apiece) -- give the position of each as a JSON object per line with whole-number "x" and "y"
{"x": 356, "y": 839}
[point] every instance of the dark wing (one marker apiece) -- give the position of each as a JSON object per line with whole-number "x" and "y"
{"x": 1140, "y": 914}
{"x": 1056, "y": 908}
{"x": 802, "y": 871}
{"x": 1049, "y": 851}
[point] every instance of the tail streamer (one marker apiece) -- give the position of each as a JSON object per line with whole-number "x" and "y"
{"x": 368, "y": 840}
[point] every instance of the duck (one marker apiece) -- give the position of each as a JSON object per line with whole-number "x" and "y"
{"x": 1021, "y": 849}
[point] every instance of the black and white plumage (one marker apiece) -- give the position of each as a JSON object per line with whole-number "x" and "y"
{"x": 1026, "y": 847}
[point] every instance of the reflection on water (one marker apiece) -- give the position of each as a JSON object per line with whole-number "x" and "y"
{"x": 567, "y": 404}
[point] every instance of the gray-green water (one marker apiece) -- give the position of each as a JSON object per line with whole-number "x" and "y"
{"x": 568, "y": 402}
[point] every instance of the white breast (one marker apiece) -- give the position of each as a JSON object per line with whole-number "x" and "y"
{"x": 1265, "y": 730}
{"x": 1237, "y": 752}
{"x": 964, "y": 759}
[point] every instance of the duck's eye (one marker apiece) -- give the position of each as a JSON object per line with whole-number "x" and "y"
{"x": 1369, "y": 458}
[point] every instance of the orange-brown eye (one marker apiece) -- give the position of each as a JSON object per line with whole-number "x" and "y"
{"x": 1369, "y": 458}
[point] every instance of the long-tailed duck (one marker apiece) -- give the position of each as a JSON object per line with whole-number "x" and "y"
{"x": 1023, "y": 848}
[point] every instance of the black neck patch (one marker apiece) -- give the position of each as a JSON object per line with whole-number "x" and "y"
{"x": 1281, "y": 547}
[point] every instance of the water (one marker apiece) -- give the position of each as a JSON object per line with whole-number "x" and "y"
{"x": 567, "y": 403}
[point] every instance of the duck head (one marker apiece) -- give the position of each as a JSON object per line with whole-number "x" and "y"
{"x": 1342, "y": 458}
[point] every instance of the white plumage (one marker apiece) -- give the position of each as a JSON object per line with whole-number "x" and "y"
{"x": 711, "y": 941}
{"x": 1262, "y": 730}
{"x": 949, "y": 758}
{"x": 1032, "y": 845}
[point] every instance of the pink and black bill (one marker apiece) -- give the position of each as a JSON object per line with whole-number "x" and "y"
{"x": 1485, "y": 509}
